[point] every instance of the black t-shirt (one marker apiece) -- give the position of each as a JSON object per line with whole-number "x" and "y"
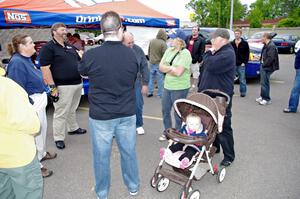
{"x": 112, "y": 69}
{"x": 63, "y": 62}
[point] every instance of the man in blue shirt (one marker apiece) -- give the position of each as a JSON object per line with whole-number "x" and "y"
{"x": 112, "y": 70}
{"x": 218, "y": 73}
{"x": 142, "y": 80}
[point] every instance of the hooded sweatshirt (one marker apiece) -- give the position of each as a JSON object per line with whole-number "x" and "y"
{"x": 157, "y": 47}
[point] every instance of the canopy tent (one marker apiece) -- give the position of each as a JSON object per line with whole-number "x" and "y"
{"x": 78, "y": 13}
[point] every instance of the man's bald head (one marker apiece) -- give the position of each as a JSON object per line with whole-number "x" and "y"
{"x": 110, "y": 23}
{"x": 128, "y": 39}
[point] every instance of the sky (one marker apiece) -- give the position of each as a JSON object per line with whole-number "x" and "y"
{"x": 177, "y": 9}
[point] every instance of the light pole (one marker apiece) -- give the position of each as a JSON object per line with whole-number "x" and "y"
{"x": 231, "y": 14}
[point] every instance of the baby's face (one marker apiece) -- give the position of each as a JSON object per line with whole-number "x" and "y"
{"x": 193, "y": 123}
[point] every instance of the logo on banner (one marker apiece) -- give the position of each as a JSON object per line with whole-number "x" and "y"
{"x": 13, "y": 16}
{"x": 171, "y": 22}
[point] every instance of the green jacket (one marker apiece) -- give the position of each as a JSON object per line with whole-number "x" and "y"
{"x": 157, "y": 47}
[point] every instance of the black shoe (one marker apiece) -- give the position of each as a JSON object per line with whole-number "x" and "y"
{"x": 243, "y": 95}
{"x": 226, "y": 163}
{"x": 150, "y": 95}
{"x": 78, "y": 131}
{"x": 60, "y": 144}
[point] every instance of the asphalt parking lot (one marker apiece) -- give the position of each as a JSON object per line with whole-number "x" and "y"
{"x": 267, "y": 164}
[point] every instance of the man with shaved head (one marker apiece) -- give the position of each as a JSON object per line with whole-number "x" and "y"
{"x": 112, "y": 70}
{"x": 141, "y": 83}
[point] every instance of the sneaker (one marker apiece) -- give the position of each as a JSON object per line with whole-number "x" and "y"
{"x": 265, "y": 102}
{"x": 184, "y": 163}
{"x": 162, "y": 138}
{"x": 258, "y": 99}
{"x": 133, "y": 193}
{"x": 287, "y": 110}
{"x": 140, "y": 130}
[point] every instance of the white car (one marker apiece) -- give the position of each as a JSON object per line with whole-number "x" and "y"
{"x": 297, "y": 46}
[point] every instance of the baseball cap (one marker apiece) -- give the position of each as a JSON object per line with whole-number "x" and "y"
{"x": 221, "y": 32}
{"x": 174, "y": 33}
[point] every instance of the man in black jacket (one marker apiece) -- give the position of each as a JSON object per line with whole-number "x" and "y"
{"x": 196, "y": 45}
{"x": 269, "y": 64}
{"x": 241, "y": 49}
{"x": 218, "y": 73}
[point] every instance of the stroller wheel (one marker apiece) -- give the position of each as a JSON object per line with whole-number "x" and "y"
{"x": 184, "y": 194}
{"x": 221, "y": 174}
{"x": 195, "y": 194}
{"x": 162, "y": 184}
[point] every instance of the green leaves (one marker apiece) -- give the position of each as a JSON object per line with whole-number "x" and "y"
{"x": 216, "y": 12}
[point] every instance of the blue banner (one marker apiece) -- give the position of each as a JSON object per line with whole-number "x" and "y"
{"x": 15, "y": 18}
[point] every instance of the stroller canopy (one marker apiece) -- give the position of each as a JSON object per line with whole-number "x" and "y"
{"x": 215, "y": 107}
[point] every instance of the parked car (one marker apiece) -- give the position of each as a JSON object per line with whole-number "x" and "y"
{"x": 297, "y": 46}
{"x": 87, "y": 40}
{"x": 285, "y": 42}
{"x": 253, "y": 66}
{"x": 257, "y": 37}
{"x": 206, "y": 32}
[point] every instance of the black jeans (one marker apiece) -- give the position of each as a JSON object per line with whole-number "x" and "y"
{"x": 225, "y": 139}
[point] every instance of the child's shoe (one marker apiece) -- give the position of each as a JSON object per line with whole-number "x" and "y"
{"x": 184, "y": 163}
{"x": 161, "y": 153}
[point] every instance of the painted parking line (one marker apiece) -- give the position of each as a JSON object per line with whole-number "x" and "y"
{"x": 277, "y": 81}
{"x": 144, "y": 116}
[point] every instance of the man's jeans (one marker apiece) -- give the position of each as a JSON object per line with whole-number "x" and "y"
{"x": 168, "y": 99}
{"x": 139, "y": 104}
{"x": 225, "y": 139}
{"x": 265, "y": 84}
{"x": 103, "y": 131}
{"x": 294, "y": 97}
{"x": 240, "y": 70}
{"x": 159, "y": 76}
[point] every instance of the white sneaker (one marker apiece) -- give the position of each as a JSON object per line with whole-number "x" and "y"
{"x": 258, "y": 100}
{"x": 162, "y": 138}
{"x": 133, "y": 193}
{"x": 265, "y": 102}
{"x": 140, "y": 130}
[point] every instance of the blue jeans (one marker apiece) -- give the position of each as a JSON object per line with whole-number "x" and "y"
{"x": 240, "y": 70}
{"x": 168, "y": 99}
{"x": 265, "y": 84}
{"x": 102, "y": 133}
{"x": 139, "y": 104}
{"x": 159, "y": 76}
{"x": 294, "y": 97}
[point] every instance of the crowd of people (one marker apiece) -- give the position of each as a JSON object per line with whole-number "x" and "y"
{"x": 115, "y": 107}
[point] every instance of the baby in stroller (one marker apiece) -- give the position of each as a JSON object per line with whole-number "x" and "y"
{"x": 192, "y": 127}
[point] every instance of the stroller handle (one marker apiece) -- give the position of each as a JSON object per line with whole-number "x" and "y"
{"x": 216, "y": 93}
{"x": 176, "y": 136}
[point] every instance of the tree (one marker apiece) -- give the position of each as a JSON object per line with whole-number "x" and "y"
{"x": 216, "y": 12}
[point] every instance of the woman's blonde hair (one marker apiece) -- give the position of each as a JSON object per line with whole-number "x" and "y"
{"x": 15, "y": 43}
{"x": 181, "y": 42}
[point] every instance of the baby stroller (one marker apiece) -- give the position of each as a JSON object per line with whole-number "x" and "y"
{"x": 210, "y": 105}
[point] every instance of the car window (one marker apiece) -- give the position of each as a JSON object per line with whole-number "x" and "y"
{"x": 256, "y": 36}
{"x": 286, "y": 37}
